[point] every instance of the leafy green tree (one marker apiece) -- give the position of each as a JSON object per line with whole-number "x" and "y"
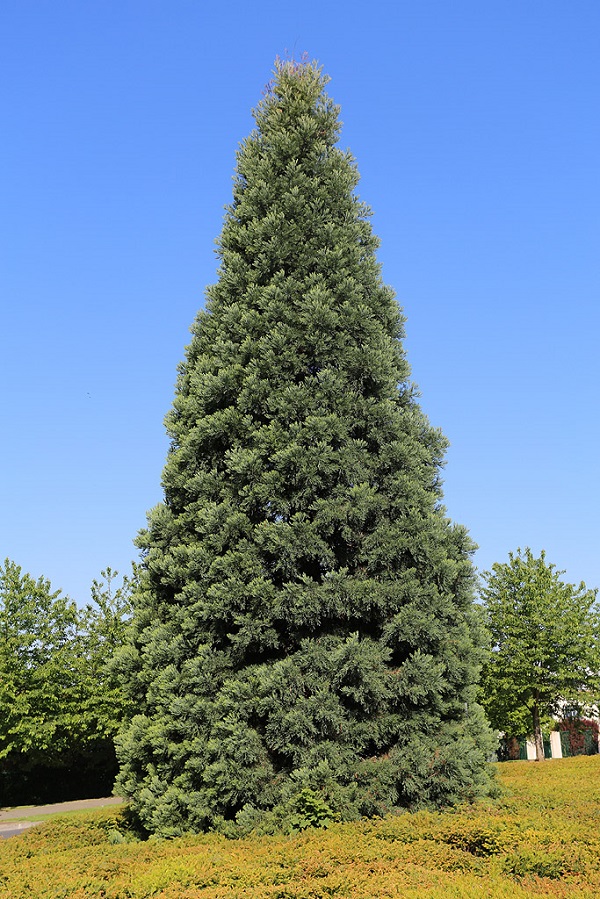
{"x": 103, "y": 626}
{"x": 38, "y": 628}
{"x": 305, "y": 618}
{"x": 545, "y": 645}
{"x": 60, "y": 705}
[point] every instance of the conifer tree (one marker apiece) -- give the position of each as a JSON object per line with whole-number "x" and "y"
{"x": 304, "y": 635}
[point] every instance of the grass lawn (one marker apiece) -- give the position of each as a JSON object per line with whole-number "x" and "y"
{"x": 540, "y": 838}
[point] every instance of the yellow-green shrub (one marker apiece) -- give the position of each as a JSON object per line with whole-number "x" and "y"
{"x": 539, "y": 838}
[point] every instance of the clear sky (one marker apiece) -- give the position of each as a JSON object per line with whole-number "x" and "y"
{"x": 476, "y": 131}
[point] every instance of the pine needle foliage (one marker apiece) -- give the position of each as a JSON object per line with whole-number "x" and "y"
{"x": 305, "y": 619}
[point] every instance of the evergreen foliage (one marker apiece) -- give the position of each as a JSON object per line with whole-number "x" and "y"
{"x": 546, "y": 645}
{"x": 304, "y": 620}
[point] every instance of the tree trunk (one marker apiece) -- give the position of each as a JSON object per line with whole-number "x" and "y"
{"x": 537, "y": 730}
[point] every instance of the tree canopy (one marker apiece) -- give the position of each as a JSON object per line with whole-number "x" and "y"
{"x": 304, "y": 625}
{"x": 59, "y": 703}
{"x": 545, "y": 645}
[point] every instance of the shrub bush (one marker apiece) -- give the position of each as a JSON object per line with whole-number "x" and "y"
{"x": 539, "y": 838}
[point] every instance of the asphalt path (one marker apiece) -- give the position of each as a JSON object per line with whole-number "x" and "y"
{"x": 13, "y": 830}
{"x": 12, "y": 820}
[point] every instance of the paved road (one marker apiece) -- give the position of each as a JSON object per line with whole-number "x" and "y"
{"x": 12, "y": 823}
{"x": 12, "y": 830}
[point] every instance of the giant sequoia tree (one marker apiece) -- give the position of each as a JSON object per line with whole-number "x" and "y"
{"x": 304, "y": 631}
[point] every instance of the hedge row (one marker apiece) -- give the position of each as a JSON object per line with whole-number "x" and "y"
{"x": 540, "y": 837}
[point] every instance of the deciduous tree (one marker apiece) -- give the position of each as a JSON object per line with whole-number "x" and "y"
{"x": 545, "y": 645}
{"x": 60, "y": 705}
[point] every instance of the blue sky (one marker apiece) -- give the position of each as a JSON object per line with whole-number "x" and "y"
{"x": 476, "y": 132}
